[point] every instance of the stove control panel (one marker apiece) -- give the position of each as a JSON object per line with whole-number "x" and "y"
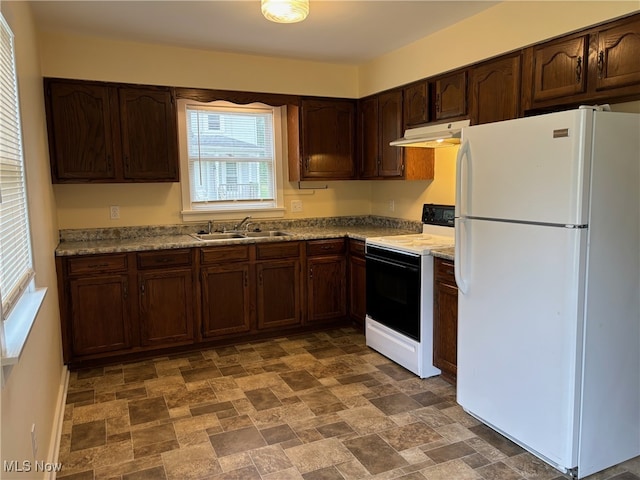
{"x": 433, "y": 214}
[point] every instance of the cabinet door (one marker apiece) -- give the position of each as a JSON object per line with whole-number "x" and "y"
{"x": 328, "y": 144}
{"x": 100, "y": 319}
{"x": 494, "y": 91}
{"x": 279, "y": 293}
{"x": 226, "y": 299}
{"x": 618, "y": 61}
{"x": 560, "y": 68}
{"x": 368, "y": 138}
{"x": 327, "y": 289}
{"x": 390, "y": 115}
{"x": 149, "y": 135}
{"x": 451, "y": 96}
{"x": 445, "y": 320}
{"x": 166, "y": 306}
{"x": 357, "y": 289}
{"x": 416, "y": 104}
{"x": 80, "y": 132}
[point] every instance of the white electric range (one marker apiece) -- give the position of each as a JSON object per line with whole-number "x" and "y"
{"x": 399, "y": 321}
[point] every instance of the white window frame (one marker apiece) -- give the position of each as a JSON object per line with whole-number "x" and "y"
{"x": 229, "y": 211}
{"x": 19, "y": 307}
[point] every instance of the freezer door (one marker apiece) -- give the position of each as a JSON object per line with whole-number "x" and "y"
{"x": 519, "y": 334}
{"x": 533, "y": 169}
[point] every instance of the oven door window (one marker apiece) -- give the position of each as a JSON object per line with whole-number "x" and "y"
{"x": 393, "y": 293}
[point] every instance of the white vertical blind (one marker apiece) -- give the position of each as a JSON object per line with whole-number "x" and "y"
{"x": 231, "y": 156}
{"x": 15, "y": 244}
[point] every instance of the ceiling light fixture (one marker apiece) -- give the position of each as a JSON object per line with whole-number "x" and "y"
{"x": 285, "y": 11}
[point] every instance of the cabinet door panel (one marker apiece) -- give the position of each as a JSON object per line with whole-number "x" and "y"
{"x": 85, "y": 151}
{"x": 560, "y": 69}
{"x": 416, "y": 104}
{"x": 226, "y": 300}
{"x": 390, "y": 112}
{"x": 99, "y": 314}
{"x": 369, "y": 154}
{"x": 451, "y": 96}
{"x": 279, "y": 293}
{"x": 618, "y": 62}
{"x": 328, "y": 144}
{"x": 166, "y": 307}
{"x": 357, "y": 289}
{"x": 327, "y": 288}
{"x": 149, "y": 141}
{"x": 445, "y": 331}
{"x": 494, "y": 91}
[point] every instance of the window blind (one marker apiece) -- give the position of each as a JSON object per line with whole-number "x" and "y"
{"x": 231, "y": 156}
{"x": 15, "y": 244}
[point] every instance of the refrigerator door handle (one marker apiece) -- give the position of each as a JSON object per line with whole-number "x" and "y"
{"x": 463, "y": 152}
{"x": 460, "y": 255}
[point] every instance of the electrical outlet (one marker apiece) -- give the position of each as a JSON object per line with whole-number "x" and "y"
{"x": 114, "y": 212}
{"x": 296, "y": 205}
{"x": 34, "y": 441}
{"x": 392, "y": 205}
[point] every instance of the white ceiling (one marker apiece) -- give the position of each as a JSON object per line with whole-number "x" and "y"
{"x": 350, "y": 32}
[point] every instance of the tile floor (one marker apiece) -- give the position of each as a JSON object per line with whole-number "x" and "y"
{"x": 316, "y": 407}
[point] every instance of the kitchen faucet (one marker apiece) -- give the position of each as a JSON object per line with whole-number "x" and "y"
{"x": 242, "y": 222}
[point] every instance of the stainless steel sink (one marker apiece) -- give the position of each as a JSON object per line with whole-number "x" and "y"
{"x": 269, "y": 233}
{"x": 216, "y": 236}
{"x": 231, "y": 235}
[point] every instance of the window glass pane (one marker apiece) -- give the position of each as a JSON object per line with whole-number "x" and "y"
{"x": 231, "y": 154}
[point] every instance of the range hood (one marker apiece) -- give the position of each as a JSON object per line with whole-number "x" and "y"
{"x": 432, "y": 136}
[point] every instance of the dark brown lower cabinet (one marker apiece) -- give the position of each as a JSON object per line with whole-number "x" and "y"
{"x": 357, "y": 283}
{"x": 166, "y": 307}
{"x": 279, "y": 293}
{"x": 326, "y": 280}
{"x": 445, "y": 319}
{"x": 226, "y": 299}
{"x": 100, "y": 314}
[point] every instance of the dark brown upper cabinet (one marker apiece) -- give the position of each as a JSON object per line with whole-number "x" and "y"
{"x": 321, "y": 135}
{"x": 103, "y": 133}
{"x": 494, "y": 90}
{"x": 416, "y": 104}
{"x": 618, "y": 55}
{"x": 450, "y": 96}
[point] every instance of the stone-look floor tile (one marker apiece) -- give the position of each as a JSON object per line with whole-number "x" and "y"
{"x": 507, "y": 447}
{"x": 336, "y": 429}
{"x": 147, "y": 410}
{"x": 156, "y": 434}
{"x": 396, "y": 403}
{"x": 432, "y": 417}
{"x": 454, "y": 432}
{"x": 319, "y": 454}
{"x": 82, "y": 397}
{"x": 375, "y": 454}
{"x": 455, "y": 469}
{"x": 263, "y": 399}
{"x": 270, "y": 459}
{"x": 409, "y": 436}
{"x": 235, "y": 462}
{"x": 278, "y": 434}
{"x": 191, "y": 463}
{"x": 236, "y": 441}
{"x": 86, "y": 475}
{"x": 99, "y": 411}
{"x": 88, "y": 435}
{"x": 366, "y": 420}
{"x": 131, "y": 394}
{"x": 245, "y": 473}
{"x": 498, "y": 471}
{"x": 155, "y": 473}
{"x": 300, "y": 380}
{"x": 530, "y": 467}
{"x": 450, "y": 452}
{"x": 190, "y": 397}
{"x": 328, "y": 473}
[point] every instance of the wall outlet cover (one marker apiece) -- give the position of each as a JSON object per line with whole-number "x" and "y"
{"x": 296, "y": 205}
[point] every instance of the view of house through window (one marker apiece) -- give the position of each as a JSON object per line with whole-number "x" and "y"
{"x": 231, "y": 157}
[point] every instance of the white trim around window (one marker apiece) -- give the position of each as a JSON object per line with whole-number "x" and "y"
{"x": 232, "y": 209}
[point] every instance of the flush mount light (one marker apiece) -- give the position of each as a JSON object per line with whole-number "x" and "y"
{"x": 285, "y": 11}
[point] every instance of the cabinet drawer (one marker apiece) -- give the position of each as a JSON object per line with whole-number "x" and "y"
{"x": 444, "y": 270}
{"x": 325, "y": 247}
{"x": 169, "y": 258}
{"x": 356, "y": 248}
{"x": 224, "y": 254}
{"x": 267, "y": 251}
{"x": 97, "y": 264}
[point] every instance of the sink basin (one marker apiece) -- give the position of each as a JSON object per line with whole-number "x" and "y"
{"x": 216, "y": 236}
{"x": 269, "y": 233}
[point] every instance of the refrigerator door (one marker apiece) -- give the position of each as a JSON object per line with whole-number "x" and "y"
{"x": 518, "y": 332}
{"x": 533, "y": 169}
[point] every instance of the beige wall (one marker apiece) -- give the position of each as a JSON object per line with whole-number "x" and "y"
{"x": 32, "y": 388}
{"x": 506, "y": 26}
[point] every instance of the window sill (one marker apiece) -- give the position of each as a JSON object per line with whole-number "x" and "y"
{"x": 19, "y": 324}
{"x": 199, "y": 215}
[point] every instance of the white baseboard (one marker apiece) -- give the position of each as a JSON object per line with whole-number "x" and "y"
{"x": 54, "y": 443}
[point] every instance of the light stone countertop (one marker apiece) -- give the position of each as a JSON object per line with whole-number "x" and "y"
{"x": 448, "y": 253}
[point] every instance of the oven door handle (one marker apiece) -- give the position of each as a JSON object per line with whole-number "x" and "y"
{"x": 393, "y": 264}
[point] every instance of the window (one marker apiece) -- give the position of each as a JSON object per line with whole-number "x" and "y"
{"x": 16, "y": 269}
{"x": 230, "y": 158}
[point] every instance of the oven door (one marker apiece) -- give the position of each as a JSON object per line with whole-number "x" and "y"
{"x": 393, "y": 290}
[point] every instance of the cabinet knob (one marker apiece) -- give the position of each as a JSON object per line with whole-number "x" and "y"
{"x": 579, "y": 70}
{"x": 600, "y": 63}
{"x": 438, "y": 102}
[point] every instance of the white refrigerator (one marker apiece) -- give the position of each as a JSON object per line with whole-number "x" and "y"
{"x": 547, "y": 261}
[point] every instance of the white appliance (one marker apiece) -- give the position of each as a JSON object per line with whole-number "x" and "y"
{"x": 548, "y": 270}
{"x": 399, "y": 321}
